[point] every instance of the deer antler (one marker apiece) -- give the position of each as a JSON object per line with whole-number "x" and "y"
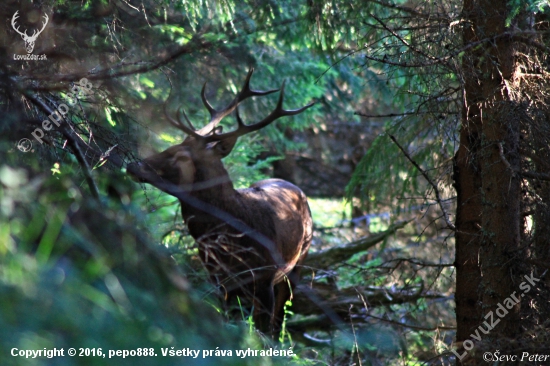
{"x": 217, "y": 116}
{"x": 189, "y": 130}
{"x": 24, "y": 34}
{"x": 15, "y": 16}
{"x": 209, "y": 132}
{"x": 243, "y": 129}
{"x": 37, "y": 33}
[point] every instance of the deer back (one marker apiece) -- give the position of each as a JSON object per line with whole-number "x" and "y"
{"x": 290, "y": 217}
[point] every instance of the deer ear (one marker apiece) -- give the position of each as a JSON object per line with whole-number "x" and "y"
{"x": 225, "y": 146}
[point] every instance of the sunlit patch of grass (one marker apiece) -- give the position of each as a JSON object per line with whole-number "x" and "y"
{"x": 327, "y": 212}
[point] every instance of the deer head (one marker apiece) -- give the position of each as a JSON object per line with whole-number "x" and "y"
{"x": 195, "y": 164}
{"x": 29, "y": 40}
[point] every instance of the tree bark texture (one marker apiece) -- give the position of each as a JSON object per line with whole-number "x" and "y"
{"x": 467, "y": 177}
{"x": 487, "y": 172}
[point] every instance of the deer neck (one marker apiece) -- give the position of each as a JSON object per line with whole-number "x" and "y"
{"x": 214, "y": 188}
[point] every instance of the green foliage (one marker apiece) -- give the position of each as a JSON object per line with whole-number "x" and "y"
{"x": 327, "y": 212}
{"x": 243, "y": 164}
{"x": 383, "y": 340}
{"x": 384, "y": 162}
{"x": 68, "y": 282}
{"x": 284, "y": 332}
{"x": 528, "y": 6}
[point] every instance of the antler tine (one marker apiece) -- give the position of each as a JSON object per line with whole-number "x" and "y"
{"x": 243, "y": 129}
{"x": 46, "y": 21}
{"x": 217, "y": 116}
{"x": 189, "y": 130}
{"x": 190, "y": 125}
{"x": 16, "y": 28}
{"x": 37, "y": 32}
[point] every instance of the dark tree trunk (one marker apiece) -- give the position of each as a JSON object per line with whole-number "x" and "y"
{"x": 467, "y": 177}
{"x": 487, "y": 172}
{"x": 501, "y": 183}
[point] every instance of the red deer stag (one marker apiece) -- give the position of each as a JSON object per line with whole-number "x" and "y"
{"x": 271, "y": 243}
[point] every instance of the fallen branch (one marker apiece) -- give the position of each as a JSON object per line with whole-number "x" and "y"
{"x": 339, "y": 300}
{"x": 329, "y": 257}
